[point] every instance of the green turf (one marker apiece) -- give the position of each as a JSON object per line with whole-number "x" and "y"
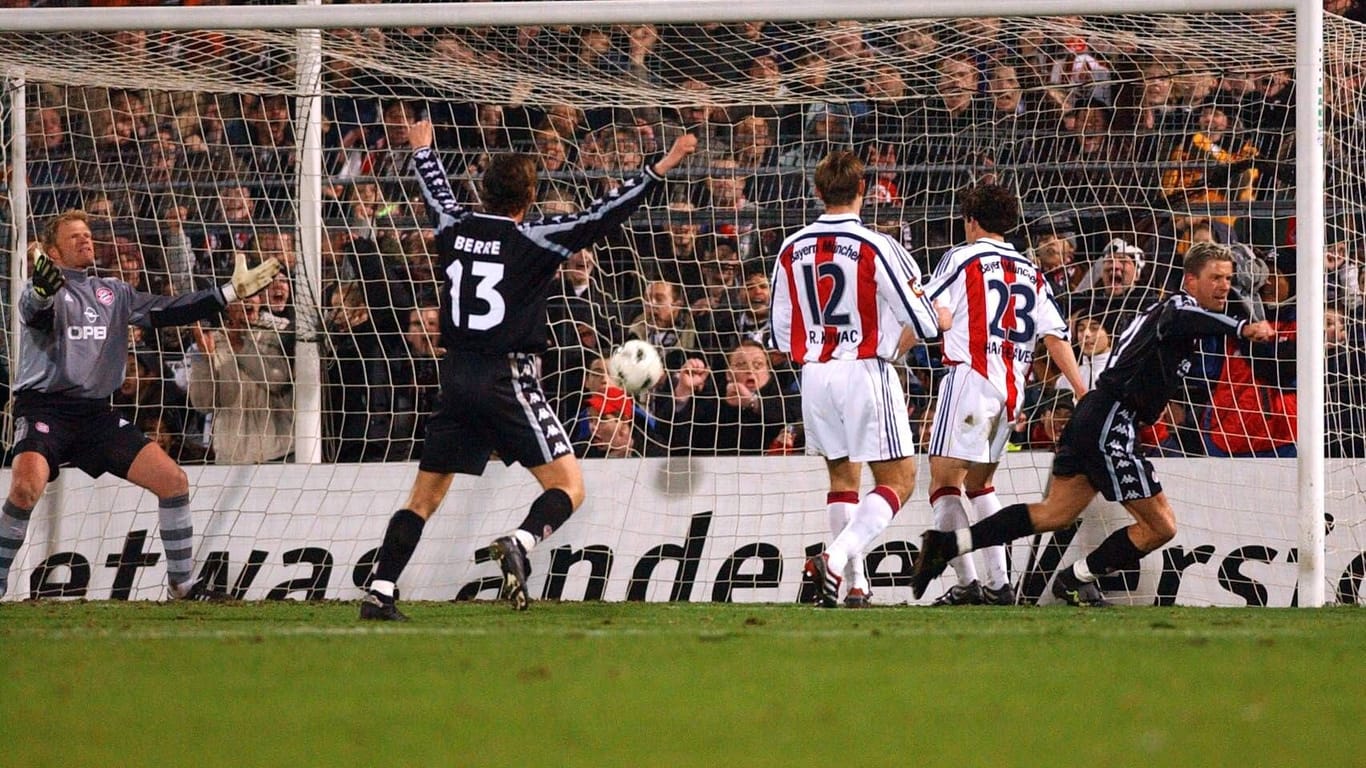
{"x": 595, "y": 684}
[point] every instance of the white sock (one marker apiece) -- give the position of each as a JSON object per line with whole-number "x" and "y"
{"x": 385, "y": 588}
{"x": 870, "y": 519}
{"x": 1082, "y": 571}
{"x": 950, "y": 514}
{"x": 524, "y": 538}
{"x": 993, "y": 558}
{"x": 839, "y": 513}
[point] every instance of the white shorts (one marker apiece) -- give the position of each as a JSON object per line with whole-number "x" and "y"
{"x": 969, "y": 419}
{"x": 855, "y": 409}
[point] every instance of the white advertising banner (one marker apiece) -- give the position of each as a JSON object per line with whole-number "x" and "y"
{"x": 714, "y": 529}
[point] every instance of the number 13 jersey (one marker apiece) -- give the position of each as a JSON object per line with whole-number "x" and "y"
{"x": 1001, "y": 307}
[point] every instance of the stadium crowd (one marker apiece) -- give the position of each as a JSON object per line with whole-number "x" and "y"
{"x": 1122, "y": 160}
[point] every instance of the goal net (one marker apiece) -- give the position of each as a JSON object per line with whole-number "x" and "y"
{"x": 299, "y": 415}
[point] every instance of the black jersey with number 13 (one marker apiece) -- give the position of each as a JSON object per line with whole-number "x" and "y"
{"x": 496, "y": 272}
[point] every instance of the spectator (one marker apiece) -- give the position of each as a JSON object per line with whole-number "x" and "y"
{"x": 1116, "y": 287}
{"x": 1040, "y": 428}
{"x": 665, "y": 322}
{"x": 1055, "y": 253}
{"x": 1216, "y": 167}
{"x": 416, "y": 383}
{"x": 1092, "y": 334}
{"x": 745, "y": 417}
{"x": 1342, "y": 276}
{"x": 51, "y": 164}
{"x": 358, "y": 392}
{"x": 242, "y": 377}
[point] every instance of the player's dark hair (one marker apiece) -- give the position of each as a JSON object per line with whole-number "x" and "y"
{"x": 838, "y": 176}
{"x": 55, "y": 223}
{"x": 509, "y": 185}
{"x": 1202, "y": 253}
{"x": 994, "y": 207}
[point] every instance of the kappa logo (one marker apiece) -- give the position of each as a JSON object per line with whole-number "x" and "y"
{"x": 104, "y": 295}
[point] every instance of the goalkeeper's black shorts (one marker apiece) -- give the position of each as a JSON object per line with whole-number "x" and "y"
{"x": 87, "y": 434}
{"x": 491, "y": 403}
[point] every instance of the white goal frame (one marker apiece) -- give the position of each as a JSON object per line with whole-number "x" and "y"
{"x": 309, "y": 17}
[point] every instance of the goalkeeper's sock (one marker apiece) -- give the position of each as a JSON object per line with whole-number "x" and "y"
{"x": 400, "y": 539}
{"x": 950, "y": 514}
{"x": 548, "y": 513}
{"x": 1003, "y": 527}
{"x": 13, "y": 527}
{"x": 981, "y": 505}
{"x": 871, "y": 517}
{"x": 1116, "y": 553}
{"x": 177, "y": 534}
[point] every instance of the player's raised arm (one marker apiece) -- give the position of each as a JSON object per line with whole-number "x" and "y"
{"x": 683, "y": 146}
{"x": 436, "y": 189}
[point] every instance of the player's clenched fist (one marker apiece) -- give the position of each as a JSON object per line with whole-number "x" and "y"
{"x": 47, "y": 277}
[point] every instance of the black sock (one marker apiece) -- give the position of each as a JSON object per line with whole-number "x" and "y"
{"x": 1116, "y": 553}
{"x": 400, "y": 539}
{"x": 548, "y": 512}
{"x": 1005, "y": 526}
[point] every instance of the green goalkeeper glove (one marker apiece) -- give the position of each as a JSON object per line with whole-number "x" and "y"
{"x": 249, "y": 282}
{"x": 47, "y": 277}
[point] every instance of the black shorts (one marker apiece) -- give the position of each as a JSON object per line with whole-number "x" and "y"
{"x": 87, "y": 434}
{"x": 491, "y": 403}
{"x": 1101, "y": 442}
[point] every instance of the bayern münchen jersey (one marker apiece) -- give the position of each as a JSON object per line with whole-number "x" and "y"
{"x": 844, "y": 292}
{"x": 1001, "y": 307}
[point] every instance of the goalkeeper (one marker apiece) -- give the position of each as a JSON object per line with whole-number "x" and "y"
{"x": 72, "y": 351}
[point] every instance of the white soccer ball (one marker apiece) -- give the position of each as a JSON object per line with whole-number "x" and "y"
{"x": 636, "y": 366}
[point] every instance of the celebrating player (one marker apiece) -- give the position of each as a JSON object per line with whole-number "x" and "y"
{"x": 498, "y": 271}
{"x": 842, "y": 295}
{"x": 1002, "y": 306}
{"x": 1099, "y": 448}
{"x": 72, "y": 355}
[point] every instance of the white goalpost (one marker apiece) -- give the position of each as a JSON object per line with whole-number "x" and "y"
{"x": 193, "y": 133}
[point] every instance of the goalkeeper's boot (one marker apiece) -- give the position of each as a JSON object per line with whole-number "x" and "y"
{"x": 1073, "y": 591}
{"x": 961, "y": 594}
{"x": 858, "y": 598}
{"x": 826, "y": 581}
{"x": 937, "y": 548}
{"x": 511, "y": 558}
{"x": 1005, "y": 595}
{"x": 377, "y": 607}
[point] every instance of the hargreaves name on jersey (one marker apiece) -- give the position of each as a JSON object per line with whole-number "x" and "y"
{"x": 477, "y": 247}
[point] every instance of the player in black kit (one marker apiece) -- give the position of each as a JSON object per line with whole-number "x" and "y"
{"x": 1099, "y": 449}
{"x": 497, "y": 272}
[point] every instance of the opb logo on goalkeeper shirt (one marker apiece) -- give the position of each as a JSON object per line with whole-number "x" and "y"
{"x": 78, "y": 332}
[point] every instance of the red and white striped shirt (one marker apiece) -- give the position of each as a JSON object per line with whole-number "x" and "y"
{"x": 843, "y": 292}
{"x": 1001, "y": 307}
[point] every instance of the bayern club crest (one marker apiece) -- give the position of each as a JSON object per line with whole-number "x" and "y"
{"x": 104, "y": 295}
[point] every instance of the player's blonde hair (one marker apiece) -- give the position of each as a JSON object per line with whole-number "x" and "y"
{"x": 56, "y": 222}
{"x": 1202, "y": 253}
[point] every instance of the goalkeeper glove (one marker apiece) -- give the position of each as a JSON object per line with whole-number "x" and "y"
{"x": 47, "y": 277}
{"x": 249, "y": 282}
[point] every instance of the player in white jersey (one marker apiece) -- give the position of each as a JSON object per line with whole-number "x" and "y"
{"x": 843, "y": 299}
{"x": 1002, "y": 306}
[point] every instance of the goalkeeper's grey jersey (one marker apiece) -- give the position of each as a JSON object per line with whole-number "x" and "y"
{"x": 76, "y": 344}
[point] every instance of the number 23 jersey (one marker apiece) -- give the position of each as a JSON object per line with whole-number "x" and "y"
{"x": 1001, "y": 307}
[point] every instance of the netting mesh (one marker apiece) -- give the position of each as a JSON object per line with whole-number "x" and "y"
{"x": 1127, "y": 138}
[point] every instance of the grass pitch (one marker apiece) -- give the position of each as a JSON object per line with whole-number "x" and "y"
{"x": 613, "y": 684}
